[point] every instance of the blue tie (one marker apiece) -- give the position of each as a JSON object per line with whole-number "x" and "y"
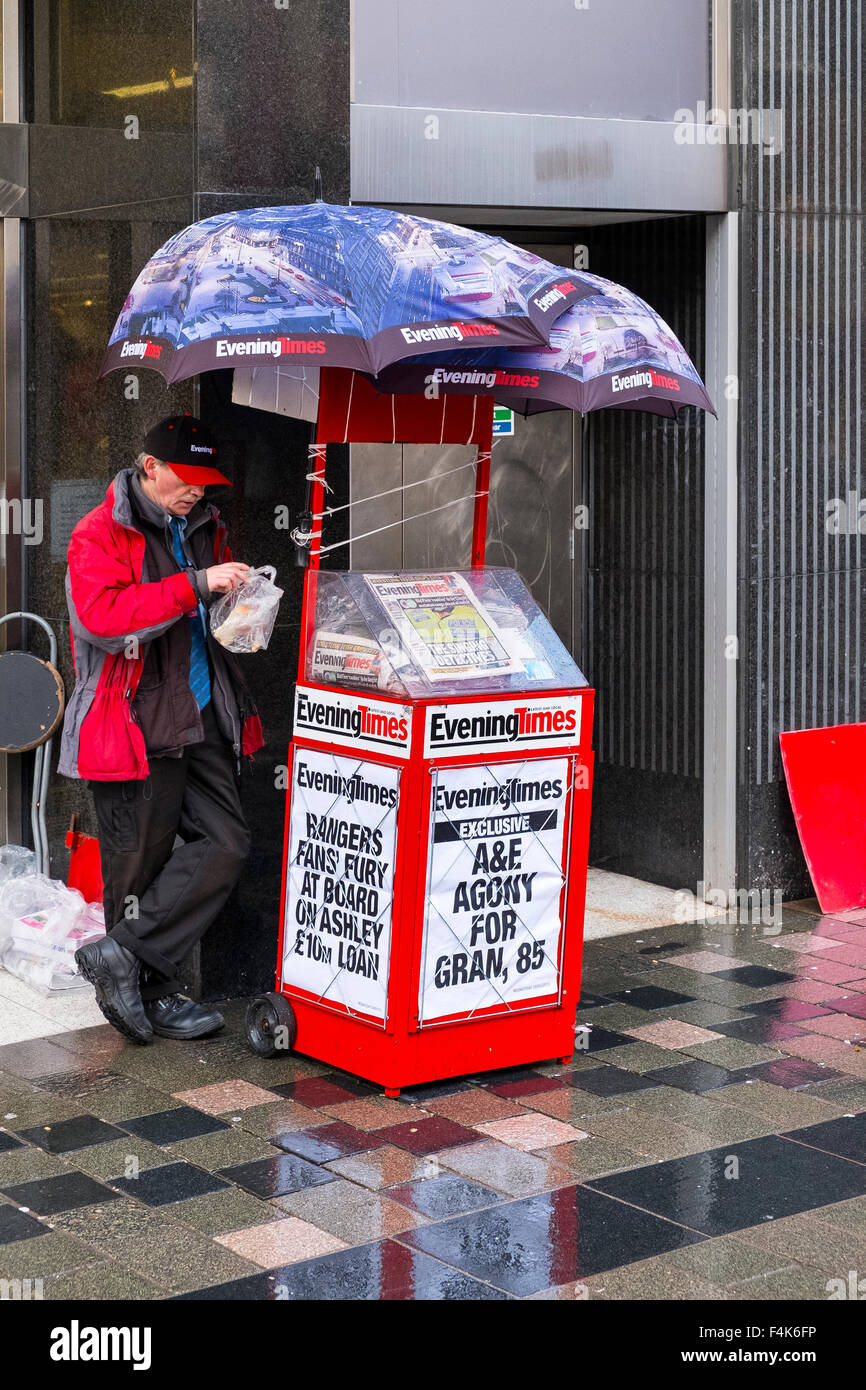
{"x": 199, "y": 673}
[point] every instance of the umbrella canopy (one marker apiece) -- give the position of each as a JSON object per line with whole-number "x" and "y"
{"x": 343, "y": 286}
{"x": 609, "y": 349}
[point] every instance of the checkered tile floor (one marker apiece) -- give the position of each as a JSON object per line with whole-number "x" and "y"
{"x": 708, "y": 1141}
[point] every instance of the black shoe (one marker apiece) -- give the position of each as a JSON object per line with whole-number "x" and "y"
{"x": 114, "y": 973}
{"x": 173, "y": 1016}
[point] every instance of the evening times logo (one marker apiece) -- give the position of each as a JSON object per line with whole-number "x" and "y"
{"x": 269, "y": 347}
{"x": 517, "y": 724}
{"x": 437, "y": 332}
{"x": 442, "y": 377}
{"x": 324, "y": 715}
{"x": 647, "y": 378}
{"x": 554, "y": 294}
{"x": 146, "y": 349}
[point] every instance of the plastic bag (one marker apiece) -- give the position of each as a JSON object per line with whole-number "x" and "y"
{"x": 21, "y": 895}
{"x": 243, "y": 620}
{"x": 15, "y": 860}
{"x": 42, "y": 925}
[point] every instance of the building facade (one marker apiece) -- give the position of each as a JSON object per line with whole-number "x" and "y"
{"x": 706, "y": 153}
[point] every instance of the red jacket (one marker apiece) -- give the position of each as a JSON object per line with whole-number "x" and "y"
{"x": 109, "y": 605}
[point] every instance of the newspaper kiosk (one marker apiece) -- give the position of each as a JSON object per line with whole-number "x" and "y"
{"x": 436, "y": 830}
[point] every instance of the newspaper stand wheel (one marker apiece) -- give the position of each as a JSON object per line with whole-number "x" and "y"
{"x": 271, "y": 1025}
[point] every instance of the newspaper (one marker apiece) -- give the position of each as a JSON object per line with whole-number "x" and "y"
{"x": 340, "y": 659}
{"x": 444, "y": 626}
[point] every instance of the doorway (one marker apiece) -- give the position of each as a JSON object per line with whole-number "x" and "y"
{"x": 625, "y": 590}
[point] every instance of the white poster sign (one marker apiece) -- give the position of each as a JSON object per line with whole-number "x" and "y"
{"x": 492, "y": 922}
{"x": 340, "y": 879}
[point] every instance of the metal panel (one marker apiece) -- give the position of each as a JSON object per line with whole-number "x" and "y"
{"x": 376, "y": 468}
{"x": 11, "y": 56}
{"x": 11, "y": 486}
{"x": 13, "y": 170}
{"x": 529, "y": 522}
{"x": 11, "y": 415}
{"x": 508, "y": 159}
{"x": 442, "y": 541}
{"x": 564, "y": 57}
{"x": 531, "y": 511}
{"x": 721, "y": 652}
{"x": 429, "y": 473}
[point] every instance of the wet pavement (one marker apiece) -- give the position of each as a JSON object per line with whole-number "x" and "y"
{"x": 707, "y": 1141}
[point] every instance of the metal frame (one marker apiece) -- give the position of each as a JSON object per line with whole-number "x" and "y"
{"x": 720, "y": 73}
{"x": 11, "y": 405}
{"x": 720, "y": 512}
{"x": 720, "y": 558}
{"x": 42, "y": 761}
{"x": 11, "y": 60}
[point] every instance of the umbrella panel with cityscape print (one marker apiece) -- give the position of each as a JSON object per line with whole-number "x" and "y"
{"x": 611, "y": 349}
{"x": 354, "y": 287}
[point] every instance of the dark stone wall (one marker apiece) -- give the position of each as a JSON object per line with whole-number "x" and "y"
{"x": 80, "y": 431}
{"x": 268, "y": 101}
{"x": 272, "y": 103}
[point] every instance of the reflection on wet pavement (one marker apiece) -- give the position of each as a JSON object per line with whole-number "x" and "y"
{"x": 707, "y": 1140}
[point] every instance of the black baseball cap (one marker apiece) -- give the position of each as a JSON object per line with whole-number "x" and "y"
{"x": 188, "y": 447}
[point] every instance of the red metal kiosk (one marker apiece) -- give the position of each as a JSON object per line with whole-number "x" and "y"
{"x": 437, "y": 816}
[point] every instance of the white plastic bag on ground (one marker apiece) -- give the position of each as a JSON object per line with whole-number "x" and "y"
{"x": 16, "y": 860}
{"x": 42, "y": 925}
{"x": 21, "y": 895}
{"x": 243, "y": 620}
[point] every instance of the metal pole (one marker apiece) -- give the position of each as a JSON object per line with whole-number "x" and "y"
{"x": 482, "y": 490}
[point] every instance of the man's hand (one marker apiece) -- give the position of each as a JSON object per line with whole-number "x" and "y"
{"x": 222, "y": 579}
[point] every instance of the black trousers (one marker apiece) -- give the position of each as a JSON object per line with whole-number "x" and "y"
{"x": 159, "y": 901}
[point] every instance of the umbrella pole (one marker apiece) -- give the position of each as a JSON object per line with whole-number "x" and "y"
{"x": 316, "y": 456}
{"x": 482, "y": 489}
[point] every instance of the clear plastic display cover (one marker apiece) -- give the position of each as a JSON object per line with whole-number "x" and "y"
{"x": 433, "y": 633}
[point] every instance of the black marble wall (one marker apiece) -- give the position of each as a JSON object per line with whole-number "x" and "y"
{"x": 80, "y": 430}
{"x": 234, "y": 107}
{"x": 802, "y": 374}
{"x": 272, "y": 102}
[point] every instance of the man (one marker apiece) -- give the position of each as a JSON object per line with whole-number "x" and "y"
{"x": 158, "y": 721}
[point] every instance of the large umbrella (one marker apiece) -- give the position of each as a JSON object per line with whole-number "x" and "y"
{"x": 609, "y": 349}
{"x": 339, "y": 286}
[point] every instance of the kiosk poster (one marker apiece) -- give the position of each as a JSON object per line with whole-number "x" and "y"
{"x": 340, "y": 880}
{"x": 444, "y": 626}
{"x": 492, "y": 921}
